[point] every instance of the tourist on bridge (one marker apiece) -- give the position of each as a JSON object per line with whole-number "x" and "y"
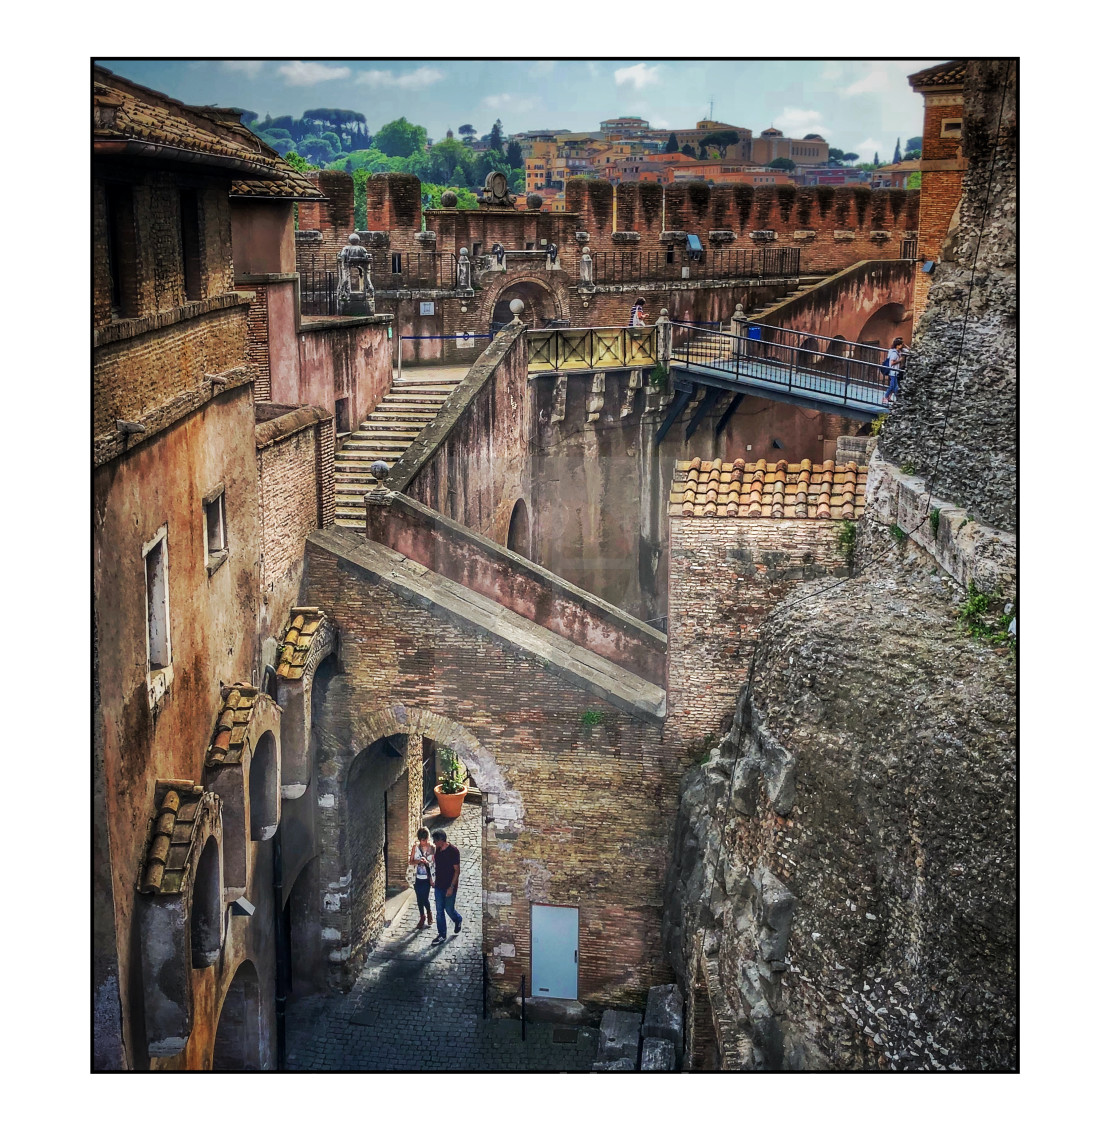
{"x": 447, "y": 886}
{"x": 638, "y": 313}
{"x": 895, "y": 364}
{"x": 422, "y": 857}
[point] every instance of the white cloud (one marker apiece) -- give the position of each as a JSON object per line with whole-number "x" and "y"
{"x": 404, "y": 80}
{"x": 877, "y": 78}
{"x": 798, "y": 122}
{"x": 542, "y": 67}
{"x": 869, "y": 147}
{"x": 659, "y": 123}
{"x": 299, "y": 73}
{"x": 248, "y": 67}
{"x": 639, "y": 75}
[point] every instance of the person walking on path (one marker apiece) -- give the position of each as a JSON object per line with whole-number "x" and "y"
{"x": 447, "y": 886}
{"x": 895, "y": 363}
{"x": 638, "y": 313}
{"x": 422, "y": 856}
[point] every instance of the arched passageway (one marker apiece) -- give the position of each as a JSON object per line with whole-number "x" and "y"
{"x": 237, "y": 1042}
{"x": 541, "y": 306}
{"x": 517, "y": 538}
{"x": 206, "y": 908}
{"x": 885, "y": 325}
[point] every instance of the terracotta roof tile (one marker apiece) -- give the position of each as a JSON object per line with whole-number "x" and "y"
{"x": 296, "y": 641}
{"x": 169, "y": 842}
{"x": 802, "y": 489}
{"x": 127, "y": 112}
{"x": 943, "y": 74}
{"x": 228, "y": 742}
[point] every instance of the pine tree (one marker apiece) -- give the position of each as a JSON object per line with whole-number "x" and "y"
{"x": 897, "y": 150}
{"x": 876, "y": 161}
{"x": 671, "y": 146}
{"x": 495, "y": 141}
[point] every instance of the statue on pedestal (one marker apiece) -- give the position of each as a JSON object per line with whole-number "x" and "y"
{"x": 353, "y": 277}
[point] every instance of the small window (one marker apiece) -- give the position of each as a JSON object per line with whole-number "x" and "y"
{"x": 475, "y": 248}
{"x": 159, "y": 615}
{"x": 396, "y": 262}
{"x": 192, "y": 245}
{"x": 217, "y": 549}
{"x": 951, "y": 127}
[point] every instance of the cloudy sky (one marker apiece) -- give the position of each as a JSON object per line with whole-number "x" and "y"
{"x": 860, "y": 106}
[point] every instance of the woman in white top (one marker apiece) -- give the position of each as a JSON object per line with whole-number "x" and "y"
{"x": 421, "y": 858}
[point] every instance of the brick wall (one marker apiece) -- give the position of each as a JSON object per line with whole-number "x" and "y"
{"x": 257, "y": 344}
{"x": 725, "y": 575}
{"x": 598, "y": 799}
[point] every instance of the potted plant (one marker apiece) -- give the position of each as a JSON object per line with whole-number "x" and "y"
{"x": 451, "y": 787}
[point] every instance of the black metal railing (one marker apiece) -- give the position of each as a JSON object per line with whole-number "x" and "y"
{"x": 318, "y": 291}
{"x": 713, "y": 263}
{"x": 908, "y": 249}
{"x": 849, "y": 372}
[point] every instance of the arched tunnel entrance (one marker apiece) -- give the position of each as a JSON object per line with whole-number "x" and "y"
{"x": 541, "y": 306}
{"x": 885, "y": 325}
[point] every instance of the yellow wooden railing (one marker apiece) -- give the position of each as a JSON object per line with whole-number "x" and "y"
{"x": 598, "y": 347}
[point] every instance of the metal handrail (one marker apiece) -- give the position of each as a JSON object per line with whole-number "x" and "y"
{"x": 833, "y": 373}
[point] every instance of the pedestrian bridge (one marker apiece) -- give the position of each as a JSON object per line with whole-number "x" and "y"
{"x": 744, "y": 358}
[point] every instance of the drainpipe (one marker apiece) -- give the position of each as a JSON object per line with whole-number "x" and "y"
{"x": 283, "y": 960}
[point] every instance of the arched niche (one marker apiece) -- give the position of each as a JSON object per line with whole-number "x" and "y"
{"x": 517, "y": 537}
{"x": 264, "y": 788}
{"x": 237, "y": 1041}
{"x": 541, "y": 305}
{"x": 180, "y": 910}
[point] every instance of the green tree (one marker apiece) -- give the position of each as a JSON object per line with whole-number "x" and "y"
{"x": 445, "y": 155}
{"x": 876, "y": 159}
{"x": 897, "y": 150}
{"x": 782, "y": 163}
{"x": 672, "y": 145}
{"x": 316, "y": 150}
{"x": 432, "y": 195}
{"x": 513, "y": 155}
{"x": 914, "y": 143}
{"x": 720, "y": 140}
{"x": 297, "y": 162}
{"x": 914, "y": 180}
{"x": 850, "y": 157}
{"x": 495, "y": 140}
{"x": 334, "y": 141}
{"x": 467, "y": 132}
{"x": 687, "y": 150}
{"x": 400, "y": 138}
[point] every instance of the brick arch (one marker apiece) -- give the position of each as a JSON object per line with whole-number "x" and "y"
{"x": 555, "y": 288}
{"x": 504, "y": 805}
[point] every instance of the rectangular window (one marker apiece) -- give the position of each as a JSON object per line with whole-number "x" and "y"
{"x": 396, "y": 262}
{"x": 159, "y": 613}
{"x": 217, "y": 548}
{"x": 192, "y": 245}
{"x": 121, "y": 238}
{"x": 951, "y": 127}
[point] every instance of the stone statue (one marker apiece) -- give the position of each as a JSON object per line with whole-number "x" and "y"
{"x": 463, "y": 273}
{"x": 586, "y": 268}
{"x": 496, "y": 190}
{"x": 553, "y": 251}
{"x": 353, "y": 277}
{"x": 499, "y": 254}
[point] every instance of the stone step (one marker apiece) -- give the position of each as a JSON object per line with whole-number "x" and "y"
{"x": 376, "y": 422}
{"x": 365, "y": 441}
{"x": 350, "y": 523}
{"x": 402, "y": 433}
{"x": 445, "y": 388}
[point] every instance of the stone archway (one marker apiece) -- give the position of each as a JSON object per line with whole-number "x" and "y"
{"x": 237, "y": 1041}
{"x": 517, "y": 536}
{"x": 887, "y": 323}
{"x": 344, "y": 875}
{"x": 541, "y": 304}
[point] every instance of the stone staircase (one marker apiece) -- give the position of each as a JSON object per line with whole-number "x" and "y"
{"x": 385, "y": 434}
{"x": 807, "y": 283}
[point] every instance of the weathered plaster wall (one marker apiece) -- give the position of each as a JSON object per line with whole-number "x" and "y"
{"x": 472, "y": 462}
{"x": 341, "y": 359}
{"x": 957, "y": 422}
{"x": 161, "y": 482}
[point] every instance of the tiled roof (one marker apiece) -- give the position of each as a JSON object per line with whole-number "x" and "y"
{"x": 126, "y": 112}
{"x": 767, "y": 490}
{"x": 944, "y": 74}
{"x": 165, "y": 862}
{"x": 301, "y": 629}
{"x": 228, "y": 742}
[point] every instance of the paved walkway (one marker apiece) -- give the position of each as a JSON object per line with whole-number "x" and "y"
{"x": 416, "y": 1006}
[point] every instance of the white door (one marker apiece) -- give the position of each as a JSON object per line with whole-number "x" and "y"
{"x": 555, "y": 965}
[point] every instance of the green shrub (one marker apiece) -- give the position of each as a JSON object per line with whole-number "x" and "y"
{"x": 898, "y": 534}
{"x": 987, "y": 616}
{"x": 934, "y": 520}
{"x": 591, "y": 718}
{"x": 452, "y": 772}
{"x": 846, "y": 541}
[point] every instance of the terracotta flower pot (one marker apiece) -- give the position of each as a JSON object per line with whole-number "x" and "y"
{"x": 450, "y": 804}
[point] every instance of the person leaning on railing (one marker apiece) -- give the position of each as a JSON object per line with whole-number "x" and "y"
{"x": 894, "y": 365}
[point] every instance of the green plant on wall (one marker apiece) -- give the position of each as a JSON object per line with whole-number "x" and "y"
{"x": 987, "y": 616}
{"x": 452, "y": 772}
{"x": 846, "y": 542}
{"x": 898, "y": 534}
{"x": 591, "y": 718}
{"x": 659, "y": 377}
{"x": 934, "y": 520}
{"x": 877, "y": 424}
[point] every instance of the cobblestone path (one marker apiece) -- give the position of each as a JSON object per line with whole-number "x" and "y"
{"x": 416, "y": 1006}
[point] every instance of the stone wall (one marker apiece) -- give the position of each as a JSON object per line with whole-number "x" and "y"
{"x": 847, "y": 855}
{"x": 342, "y": 360}
{"x": 472, "y": 462}
{"x": 957, "y": 423}
{"x": 725, "y": 576}
{"x": 578, "y": 807}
